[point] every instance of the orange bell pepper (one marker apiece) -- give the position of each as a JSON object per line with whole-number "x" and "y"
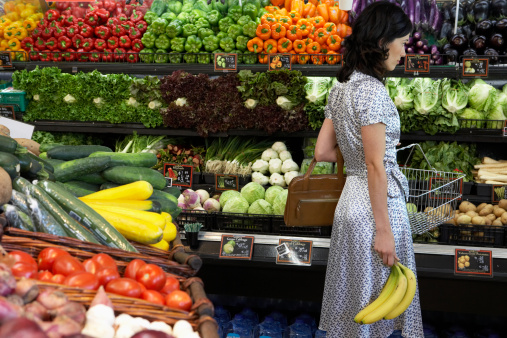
{"x": 315, "y": 2}
{"x": 313, "y": 48}
{"x": 309, "y": 10}
{"x": 324, "y": 48}
{"x": 288, "y": 5}
{"x": 284, "y": 45}
{"x": 298, "y": 6}
{"x": 312, "y": 32}
{"x": 270, "y": 46}
{"x": 263, "y": 58}
{"x": 285, "y": 20}
{"x": 293, "y": 33}
{"x": 295, "y": 16}
{"x": 332, "y": 58}
{"x": 299, "y": 46}
{"x": 334, "y": 14}
{"x": 294, "y": 58}
{"x": 255, "y": 45}
{"x": 9, "y": 6}
{"x": 268, "y": 18}
{"x": 317, "y": 59}
{"x": 272, "y": 9}
{"x": 317, "y": 21}
{"x": 330, "y": 28}
{"x": 308, "y": 41}
{"x": 303, "y": 59}
{"x": 263, "y": 31}
{"x": 304, "y": 26}
{"x": 278, "y": 31}
{"x": 282, "y": 11}
{"x": 334, "y": 42}
{"x": 278, "y": 3}
{"x": 321, "y": 36}
{"x": 344, "y": 17}
{"x": 322, "y": 10}
{"x": 343, "y": 30}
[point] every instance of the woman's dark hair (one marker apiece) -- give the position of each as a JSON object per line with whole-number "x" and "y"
{"x": 380, "y": 22}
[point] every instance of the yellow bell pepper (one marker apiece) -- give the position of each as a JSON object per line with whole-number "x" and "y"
{"x": 13, "y": 16}
{"x": 20, "y": 7}
{"x": 10, "y": 32}
{"x": 4, "y": 21}
{"x": 27, "y": 12}
{"x": 4, "y": 44}
{"x": 29, "y": 25}
{"x": 1, "y": 32}
{"x": 14, "y": 44}
{"x": 9, "y": 7}
{"x": 21, "y": 33}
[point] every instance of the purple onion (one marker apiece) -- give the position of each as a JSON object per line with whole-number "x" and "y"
{"x": 410, "y": 42}
{"x": 435, "y": 56}
{"x": 425, "y": 48}
{"x": 420, "y": 52}
{"x": 410, "y": 50}
{"x": 434, "y": 49}
{"x": 417, "y": 36}
{"x": 419, "y": 44}
{"x": 432, "y": 62}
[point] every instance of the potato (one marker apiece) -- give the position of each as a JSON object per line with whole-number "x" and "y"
{"x": 491, "y": 217}
{"x": 487, "y": 221}
{"x": 428, "y": 209}
{"x": 478, "y": 220}
{"x": 464, "y": 219}
{"x": 503, "y": 204}
{"x": 4, "y": 131}
{"x": 503, "y": 218}
{"x": 32, "y": 146}
{"x": 498, "y": 212}
{"x": 486, "y": 210}
{"x": 471, "y": 214}
{"x": 5, "y": 187}
{"x": 456, "y": 212}
{"x": 467, "y": 206}
{"x": 480, "y": 206}
{"x": 497, "y": 222}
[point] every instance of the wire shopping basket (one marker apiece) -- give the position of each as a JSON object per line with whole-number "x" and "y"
{"x": 433, "y": 195}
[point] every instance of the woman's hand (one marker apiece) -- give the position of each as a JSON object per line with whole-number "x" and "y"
{"x": 385, "y": 247}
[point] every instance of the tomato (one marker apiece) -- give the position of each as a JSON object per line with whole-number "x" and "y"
{"x": 91, "y": 266}
{"x": 46, "y": 257}
{"x": 22, "y": 257}
{"x": 66, "y": 265}
{"x": 24, "y": 270}
{"x": 57, "y": 279}
{"x": 104, "y": 260}
{"x": 105, "y": 275}
{"x": 44, "y": 276}
{"x": 153, "y": 296}
{"x": 143, "y": 288}
{"x": 179, "y": 300}
{"x": 151, "y": 276}
{"x": 171, "y": 284}
{"x": 124, "y": 286}
{"x": 83, "y": 280}
{"x": 132, "y": 267}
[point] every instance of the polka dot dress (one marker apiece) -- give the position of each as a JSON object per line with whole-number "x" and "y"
{"x": 355, "y": 273}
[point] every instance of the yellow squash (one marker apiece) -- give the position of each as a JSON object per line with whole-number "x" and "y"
{"x": 163, "y": 245}
{"x": 139, "y": 190}
{"x": 147, "y": 216}
{"x": 170, "y": 232}
{"x": 130, "y": 204}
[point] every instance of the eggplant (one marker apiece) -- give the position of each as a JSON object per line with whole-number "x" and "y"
{"x": 419, "y": 44}
{"x": 417, "y": 36}
{"x": 467, "y": 30}
{"x": 434, "y": 49}
{"x": 481, "y": 10}
{"x": 461, "y": 14}
{"x": 425, "y": 48}
{"x": 446, "y": 31}
{"x": 446, "y": 10}
{"x": 410, "y": 50}
{"x": 499, "y": 8}
{"x": 436, "y": 23}
{"x": 493, "y": 55}
{"x": 484, "y": 27}
{"x": 417, "y": 14}
{"x": 411, "y": 10}
{"x": 452, "y": 54}
{"x": 470, "y": 52}
{"x": 435, "y": 56}
{"x": 497, "y": 41}
{"x": 410, "y": 42}
{"x": 459, "y": 42}
{"x": 479, "y": 43}
{"x": 501, "y": 26}
{"x": 439, "y": 61}
{"x": 424, "y": 18}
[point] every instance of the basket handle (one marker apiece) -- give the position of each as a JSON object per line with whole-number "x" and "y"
{"x": 339, "y": 164}
{"x": 412, "y": 150}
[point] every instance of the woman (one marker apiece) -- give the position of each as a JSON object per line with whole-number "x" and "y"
{"x": 371, "y": 229}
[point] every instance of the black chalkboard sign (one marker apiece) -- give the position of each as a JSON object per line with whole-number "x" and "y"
{"x": 226, "y": 62}
{"x": 473, "y": 262}
{"x": 180, "y": 175}
{"x": 226, "y": 182}
{"x": 294, "y": 252}
{"x": 499, "y": 192}
{"x": 473, "y": 67}
{"x": 505, "y": 128}
{"x": 280, "y": 61}
{"x": 5, "y": 60}
{"x": 236, "y": 247}
{"x": 8, "y": 111}
{"x": 417, "y": 63}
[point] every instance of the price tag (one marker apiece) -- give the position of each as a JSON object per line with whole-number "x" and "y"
{"x": 5, "y": 60}
{"x": 294, "y": 252}
{"x": 499, "y": 191}
{"x": 473, "y": 67}
{"x": 181, "y": 175}
{"x": 226, "y": 62}
{"x": 473, "y": 262}
{"x": 226, "y": 182}
{"x": 505, "y": 128}
{"x": 280, "y": 61}
{"x": 8, "y": 111}
{"x": 417, "y": 63}
{"x": 236, "y": 247}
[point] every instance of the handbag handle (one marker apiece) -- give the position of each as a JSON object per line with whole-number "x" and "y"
{"x": 339, "y": 165}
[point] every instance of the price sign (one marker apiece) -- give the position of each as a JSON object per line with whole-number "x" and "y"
{"x": 417, "y": 63}
{"x": 5, "y": 60}
{"x": 505, "y": 128}
{"x": 473, "y": 67}
{"x": 236, "y": 247}
{"x": 473, "y": 262}
{"x": 7, "y": 111}
{"x": 179, "y": 174}
{"x": 226, "y": 62}
{"x": 294, "y": 252}
{"x": 226, "y": 182}
{"x": 280, "y": 61}
{"x": 499, "y": 192}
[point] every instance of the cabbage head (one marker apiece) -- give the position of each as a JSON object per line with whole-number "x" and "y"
{"x": 472, "y": 114}
{"x": 252, "y": 192}
{"x": 455, "y": 98}
{"x": 236, "y": 204}
{"x": 426, "y": 95}
{"x": 279, "y": 202}
{"x": 260, "y": 207}
{"x": 226, "y": 195}
{"x": 272, "y": 192}
{"x": 482, "y": 97}
{"x": 316, "y": 89}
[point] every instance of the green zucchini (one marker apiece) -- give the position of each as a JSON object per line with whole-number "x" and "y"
{"x": 95, "y": 178}
{"x": 175, "y": 191}
{"x": 75, "y": 190}
{"x": 17, "y": 218}
{"x": 43, "y": 155}
{"x": 10, "y": 163}
{"x": 108, "y": 185}
{"x": 104, "y": 231}
{"x": 44, "y": 147}
{"x": 82, "y": 166}
{"x": 127, "y": 174}
{"x": 54, "y": 163}
{"x": 147, "y": 160}
{"x": 18, "y": 199}
{"x": 84, "y": 185}
{"x": 9, "y": 145}
{"x": 167, "y": 206}
{"x": 43, "y": 220}
{"x": 47, "y": 165}
{"x": 25, "y": 162}
{"x": 68, "y": 153}
{"x": 159, "y": 194}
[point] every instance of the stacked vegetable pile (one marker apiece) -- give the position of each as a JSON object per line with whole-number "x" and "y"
{"x": 483, "y": 214}
{"x": 254, "y": 199}
{"x": 485, "y": 102}
{"x": 317, "y": 92}
{"x": 492, "y": 171}
{"x": 278, "y": 161}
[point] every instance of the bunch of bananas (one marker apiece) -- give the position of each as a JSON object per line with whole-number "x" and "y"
{"x": 395, "y": 298}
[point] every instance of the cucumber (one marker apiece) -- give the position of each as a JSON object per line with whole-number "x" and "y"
{"x": 17, "y": 218}
{"x": 68, "y": 153}
{"x": 82, "y": 166}
{"x": 8, "y": 144}
{"x": 95, "y": 178}
{"x": 167, "y": 206}
{"x": 175, "y": 191}
{"x": 54, "y": 163}
{"x": 147, "y": 160}
{"x": 104, "y": 231}
{"x": 84, "y": 185}
{"x": 159, "y": 194}
{"x": 43, "y": 220}
{"x": 108, "y": 185}
{"x": 10, "y": 163}
{"x": 47, "y": 165}
{"x": 44, "y": 147}
{"x": 127, "y": 174}
{"x": 18, "y": 199}
{"x": 75, "y": 190}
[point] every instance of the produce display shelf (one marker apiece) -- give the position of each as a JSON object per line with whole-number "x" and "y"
{"x": 476, "y": 137}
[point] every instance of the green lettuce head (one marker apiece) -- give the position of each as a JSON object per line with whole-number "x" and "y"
{"x": 482, "y": 96}
{"x": 271, "y": 193}
{"x": 252, "y": 192}
{"x": 279, "y": 202}
{"x": 260, "y": 207}
{"x": 226, "y": 195}
{"x": 236, "y": 204}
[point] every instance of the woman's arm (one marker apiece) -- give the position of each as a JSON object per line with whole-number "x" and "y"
{"x": 324, "y": 149}
{"x": 374, "y": 150}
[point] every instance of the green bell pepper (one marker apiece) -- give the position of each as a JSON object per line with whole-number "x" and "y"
{"x": 218, "y": 50}
{"x": 148, "y": 39}
{"x": 251, "y": 11}
{"x": 256, "y": 3}
{"x": 227, "y": 44}
{"x": 220, "y": 6}
{"x": 234, "y": 31}
{"x": 225, "y": 23}
{"x": 175, "y": 57}
{"x": 158, "y": 7}
{"x": 178, "y": 44}
{"x": 149, "y": 17}
{"x": 190, "y": 58}
{"x": 231, "y": 3}
{"x": 146, "y": 55}
{"x": 202, "y": 23}
{"x": 241, "y": 43}
{"x": 189, "y": 2}
{"x": 204, "y": 32}
{"x": 243, "y": 20}
{"x": 202, "y": 5}
{"x": 163, "y": 42}
{"x": 250, "y": 29}
{"x": 193, "y": 44}
{"x": 175, "y": 7}
{"x": 158, "y": 26}
{"x": 221, "y": 35}
{"x": 265, "y": 3}
{"x": 161, "y": 56}
{"x": 169, "y": 16}
{"x": 262, "y": 11}
{"x": 203, "y": 58}
{"x": 187, "y": 8}
{"x": 235, "y": 12}
{"x": 189, "y": 29}
{"x": 183, "y": 17}
{"x": 174, "y": 29}
{"x": 210, "y": 43}
{"x": 240, "y": 57}
{"x": 213, "y": 17}
{"x": 195, "y": 15}
{"x": 250, "y": 58}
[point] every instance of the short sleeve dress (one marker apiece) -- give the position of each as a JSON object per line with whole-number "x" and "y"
{"x": 355, "y": 273}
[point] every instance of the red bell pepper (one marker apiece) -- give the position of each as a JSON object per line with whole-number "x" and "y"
{"x": 77, "y": 40}
{"x": 127, "y": 25}
{"x": 62, "y": 6}
{"x": 52, "y": 43}
{"x": 122, "y": 18}
{"x": 40, "y": 44}
{"x": 107, "y": 55}
{"x": 94, "y": 56}
{"x": 118, "y": 30}
{"x": 52, "y": 15}
{"x": 102, "y": 32}
{"x": 69, "y": 54}
{"x": 67, "y": 13}
{"x": 59, "y": 31}
{"x": 45, "y": 55}
{"x": 92, "y": 18}
{"x": 136, "y": 16}
{"x": 119, "y": 54}
{"x": 86, "y": 31}
{"x": 53, "y": 24}
{"x": 82, "y": 55}
{"x": 27, "y": 43}
{"x": 80, "y": 22}
{"x": 64, "y": 43}
{"x": 61, "y": 19}
{"x": 47, "y": 33}
{"x": 100, "y": 44}
{"x": 128, "y": 10}
{"x": 142, "y": 26}
{"x": 34, "y": 55}
{"x": 124, "y": 42}
{"x": 88, "y": 44}
{"x": 103, "y": 15}
{"x": 78, "y": 10}
{"x": 109, "y": 5}
{"x": 137, "y": 45}
{"x": 132, "y": 56}
{"x": 69, "y": 20}
{"x": 56, "y": 56}
{"x": 118, "y": 11}
{"x": 112, "y": 42}
{"x": 36, "y": 32}
{"x": 134, "y": 33}
{"x": 72, "y": 30}
{"x": 111, "y": 22}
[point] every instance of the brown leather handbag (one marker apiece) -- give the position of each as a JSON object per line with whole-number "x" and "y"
{"x": 312, "y": 199}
